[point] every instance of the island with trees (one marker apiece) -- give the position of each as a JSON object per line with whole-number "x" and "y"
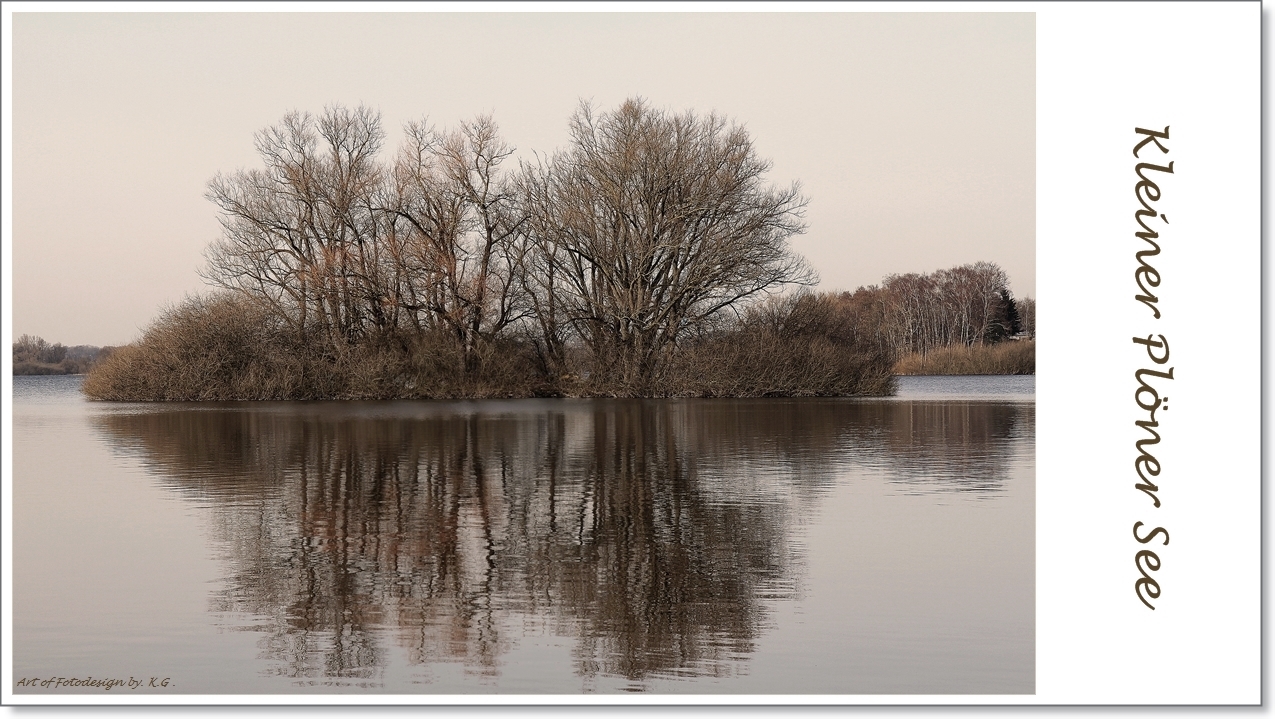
{"x": 649, "y": 258}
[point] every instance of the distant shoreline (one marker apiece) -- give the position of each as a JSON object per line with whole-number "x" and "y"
{"x": 27, "y": 370}
{"x": 34, "y": 356}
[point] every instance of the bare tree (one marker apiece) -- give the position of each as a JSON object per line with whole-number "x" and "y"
{"x": 987, "y": 280}
{"x": 302, "y": 234}
{"x": 1027, "y": 316}
{"x": 542, "y": 270}
{"x": 962, "y": 305}
{"x": 658, "y": 223}
{"x": 458, "y": 215}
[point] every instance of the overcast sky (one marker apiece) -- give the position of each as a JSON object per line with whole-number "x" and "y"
{"x": 912, "y": 134}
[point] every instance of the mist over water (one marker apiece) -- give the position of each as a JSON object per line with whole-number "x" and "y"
{"x": 531, "y": 546}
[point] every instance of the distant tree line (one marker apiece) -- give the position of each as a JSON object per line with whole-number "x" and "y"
{"x": 33, "y": 355}
{"x": 963, "y": 306}
{"x": 965, "y": 314}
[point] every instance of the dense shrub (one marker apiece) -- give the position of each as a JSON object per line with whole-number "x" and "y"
{"x": 229, "y": 347}
{"x": 214, "y": 347}
{"x": 807, "y": 345}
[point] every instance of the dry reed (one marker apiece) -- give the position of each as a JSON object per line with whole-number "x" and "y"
{"x": 1003, "y": 358}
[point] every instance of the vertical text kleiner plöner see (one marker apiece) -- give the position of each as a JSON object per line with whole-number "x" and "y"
{"x": 1149, "y": 379}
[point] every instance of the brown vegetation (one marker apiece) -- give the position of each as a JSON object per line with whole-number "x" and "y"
{"x": 800, "y": 346}
{"x": 1004, "y": 358}
{"x": 228, "y": 347}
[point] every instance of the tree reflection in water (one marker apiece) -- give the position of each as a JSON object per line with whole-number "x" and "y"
{"x": 652, "y": 532}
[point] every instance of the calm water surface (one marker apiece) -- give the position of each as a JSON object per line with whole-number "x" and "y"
{"x": 843, "y": 546}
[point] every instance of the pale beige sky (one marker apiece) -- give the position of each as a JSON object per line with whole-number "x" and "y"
{"x": 913, "y": 134}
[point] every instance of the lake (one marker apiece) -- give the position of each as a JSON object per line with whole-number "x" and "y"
{"x": 810, "y": 546}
